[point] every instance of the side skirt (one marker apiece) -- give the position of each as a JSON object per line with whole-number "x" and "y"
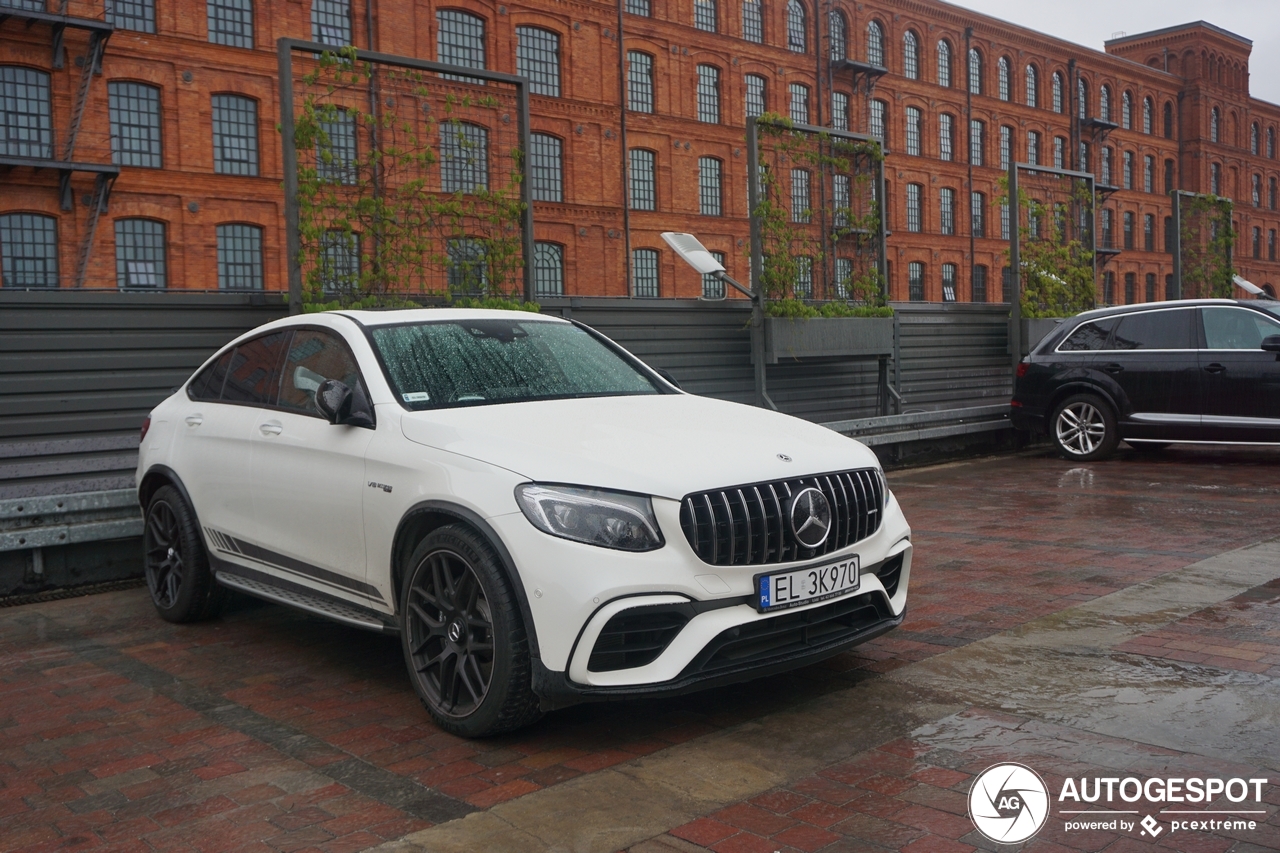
{"x": 278, "y": 591}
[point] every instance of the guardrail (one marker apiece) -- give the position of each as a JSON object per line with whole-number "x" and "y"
{"x": 921, "y": 426}
{"x": 30, "y": 524}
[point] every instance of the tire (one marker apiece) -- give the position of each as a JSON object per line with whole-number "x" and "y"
{"x": 1148, "y": 446}
{"x": 176, "y": 565}
{"x": 1083, "y": 428}
{"x": 465, "y": 644}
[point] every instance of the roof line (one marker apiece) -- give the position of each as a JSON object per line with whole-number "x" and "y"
{"x": 1164, "y": 30}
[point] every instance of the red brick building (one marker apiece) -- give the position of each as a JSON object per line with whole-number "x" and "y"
{"x": 185, "y": 110}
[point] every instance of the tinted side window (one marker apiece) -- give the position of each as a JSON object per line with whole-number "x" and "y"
{"x": 1155, "y": 330}
{"x": 1090, "y": 336}
{"x": 1236, "y": 328}
{"x": 208, "y": 384}
{"x": 314, "y": 357}
{"x": 253, "y": 375}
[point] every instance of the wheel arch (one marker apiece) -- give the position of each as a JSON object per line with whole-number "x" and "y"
{"x": 1080, "y": 387}
{"x": 423, "y": 518}
{"x": 162, "y": 475}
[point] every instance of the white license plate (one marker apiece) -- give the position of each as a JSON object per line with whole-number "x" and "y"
{"x": 805, "y": 586}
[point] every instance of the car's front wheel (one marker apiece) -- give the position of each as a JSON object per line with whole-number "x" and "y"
{"x": 175, "y": 562}
{"x": 464, "y": 640}
{"x": 1083, "y": 428}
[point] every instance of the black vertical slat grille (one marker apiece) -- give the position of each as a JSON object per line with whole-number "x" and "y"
{"x": 748, "y": 526}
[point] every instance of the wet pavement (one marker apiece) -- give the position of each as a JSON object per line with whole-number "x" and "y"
{"x": 1095, "y": 620}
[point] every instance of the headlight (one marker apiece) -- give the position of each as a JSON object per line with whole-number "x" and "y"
{"x": 594, "y": 516}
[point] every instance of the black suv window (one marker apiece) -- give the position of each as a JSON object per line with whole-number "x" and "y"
{"x": 1090, "y": 336}
{"x": 1155, "y": 330}
{"x": 314, "y": 357}
{"x": 1236, "y": 328}
{"x": 253, "y": 375}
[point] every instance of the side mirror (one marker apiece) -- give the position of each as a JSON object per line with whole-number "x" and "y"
{"x": 341, "y": 405}
{"x": 1271, "y": 343}
{"x": 667, "y": 376}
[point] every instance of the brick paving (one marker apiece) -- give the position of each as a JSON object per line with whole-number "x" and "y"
{"x": 271, "y": 730}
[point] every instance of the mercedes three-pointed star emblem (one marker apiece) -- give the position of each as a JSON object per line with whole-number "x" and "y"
{"x": 810, "y": 517}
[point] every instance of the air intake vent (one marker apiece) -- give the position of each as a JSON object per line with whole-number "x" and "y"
{"x": 636, "y": 637}
{"x": 749, "y": 526}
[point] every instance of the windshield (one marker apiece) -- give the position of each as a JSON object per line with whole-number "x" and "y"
{"x": 477, "y": 362}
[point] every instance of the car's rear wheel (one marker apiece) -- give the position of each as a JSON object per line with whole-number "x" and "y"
{"x": 1083, "y": 428}
{"x": 175, "y": 562}
{"x": 464, "y": 640}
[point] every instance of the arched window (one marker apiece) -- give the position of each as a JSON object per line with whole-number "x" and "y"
{"x": 1147, "y": 108}
{"x": 1214, "y": 122}
{"x": 1271, "y": 142}
{"x": 1168, "y": 119}
{"x": 1104, "y": 103}
{"x": 28, "y": 250}
{"x": 464, "y": 157}
{"x": 975, "y": 71}
{"x": 944, "y": 63}
{"x": 796, "y": 34}
{"x": 1057, "y": 92}
{"x": 538, "y": 58}
{"x": 548, "y": 269}
{"x": 1215, "y": 179}
{"x": 460, "y": 39}
{"x": 1255, "y": 138}
{"x": 838, "y": 34}
{"x": 1082, "y": 98}
{"x": 875, "y": 43}
{"x": 910, "y": 56}
{"x": 1126, "y": 110}
{"x": 1002, "y": 78}
{"x": 1032, "y": 87}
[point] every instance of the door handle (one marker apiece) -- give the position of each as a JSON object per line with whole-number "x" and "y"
{"x": 195, "y": 420}
{"x": 1114, "y": 368}
{"x": 271, "y": 428}
{"x": 1215, "y": 367}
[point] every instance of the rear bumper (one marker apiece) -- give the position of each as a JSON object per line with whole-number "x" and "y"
{"x": 1028, "y": 419}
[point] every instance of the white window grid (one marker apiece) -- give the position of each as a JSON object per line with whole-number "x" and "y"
{"x": 875, "y": 43}
{"x": 914, "y": 192}
{"x": 946, "y": 137}
{"x": 948, "y": 282}
{"x": 838, "y": 36}
{"x": 797, "y": 35}
{"x": 1002, "y": 78}
{"x": 947, "y": 210}
{"x": 639, "y": 81}
{"x": 1032, "y": 86}
{"x": 944, "y": 63}
{"x": 914, "y": 120}
{"x": 975, "y": 71}
{"x": 910, "y": 56}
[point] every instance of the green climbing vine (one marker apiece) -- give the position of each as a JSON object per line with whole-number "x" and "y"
{"x": 1057, "y": 268}
{"x": 1207, "y": 238}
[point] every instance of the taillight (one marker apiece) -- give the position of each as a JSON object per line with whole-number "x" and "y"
{"x": 1022, "y": 369}
{"x": 146, "y": 425}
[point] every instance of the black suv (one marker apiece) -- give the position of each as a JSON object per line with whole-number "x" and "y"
{"x": 1200, "y": 370}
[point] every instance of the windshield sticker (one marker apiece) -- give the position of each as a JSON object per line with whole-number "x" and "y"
{"x": 415, "y": 397}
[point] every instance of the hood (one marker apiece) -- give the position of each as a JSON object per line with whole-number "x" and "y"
{"x": 664, "y": 445}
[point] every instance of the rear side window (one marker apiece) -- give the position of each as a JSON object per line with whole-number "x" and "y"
{"x": 314, "y": 356}
{"x": 1155, "y": 330}
{"x": 208, "y": 383}
{"x": 1236, "y": 328}
{"x": 1090, "y": 336}
{"x": 253, "y": 375}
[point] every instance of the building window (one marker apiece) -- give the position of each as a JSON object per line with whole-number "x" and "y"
{"x": 803, "y": 288}
{"x": 1149, "y": 232}
{"x": 1126, "y": 109}
{"x": 977, "y": 141}
{"x": 24, "y": 113}
{"x": 1032, "y": 86}
{"x": 709, "y": 94}
{"x": 1257, "y": 191}
{"x": 1168, "y": 176}
{"x": 875, "y": 44}
{"x": 1082, "y": 99}
{"x": 28, "y": 250}
{"x": 1128, "y": 229}
{"x": 1033, "y": 147}
{"x": 134, "y": 110}
{"x": 1168, "y": 120}
{"x": 1004, "y": 222}
{"x": 464, "y": 157}
{"x": 704, "y": 15}
{"x": 1271, "y": 192}
{"x": 752, "y": 21}
{"x": 944, "y": 63}
{"x": 946, "y": 137}
{"x": 844, "y": 275}
{"x": 1147, "y": 108}
{"x": 638, "y": 7}
{"x": 914, "y": 191}
{"x": 799, "y": 103}
{"x": 548, "y": 269}
{"x": 239, "y": 257}
{"x": 797, "y": 36}
{"x": 1130, "y": 286}
{"x": 1215, "y": 179}
{"x": 546, "y": 170}
{"x": 331, "y": 22}
{"x": 1148, "y": 174}
{"x": 915, "y": 281}
{"x": 1169, "y": 236}
{"x": 1104, "y": 102}
{"x": 1002, "y": 78}
{"x": 639, "y": 81}
{"x": 977, "y": 214}
{"x": 1257, "y": 243}
{"x": 467, "y": 267}
{"x": 538, "y": 58}
{"x": 755, "y": 100}
{"x": 1271, "y": 143}
{"x": 710, "y": 199}
{"x": 644, "y": 195}
{"x": 1213, "y": 125}
{"x": 801, "y": 203}
{"x": 910, "y": 56}
{"x": 1108, "y": 288}
{"x": 230, "y": 22}
{"x": 1108, "y": 238}
{"x": 1006, "y": 147}
{"x": 838, "y": 36}
{"x": 975, "y": 71}
{"x": 947, "y": 210}
{"x": 842, "y": 199}
{"x": 878, "y": 124}
{"x": 339, "y": 262}
{"x": 979, "y": 288}
{"x": 712, "y": 284}
{"x": 1151, "y": 287}
{"x": 336, "y": 149}
{"x": 1056, "y": 86}
{"x": 138, "y": 15}
{"x": 948, "y": 282}
{"x": 839, "y": 111}
{"x": 1127, "y": 174}
{"x": 1106, "y": 167}
{"x": 914, "y": 121}
{"x": 644, "y": 273}
{"x": 460, "y": 40}
{"x": 1059, "y": 152}
{"x": 1271, "y": 245}
{"x": 140, "y": 251}
{"x": 235, "y": 135}
{"x": 1254, "y": 138}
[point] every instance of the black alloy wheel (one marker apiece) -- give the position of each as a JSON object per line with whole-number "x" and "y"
{"x": 464, "y": 640}
{"x": 175, "y": 563}
{"x": 164, "y": 565}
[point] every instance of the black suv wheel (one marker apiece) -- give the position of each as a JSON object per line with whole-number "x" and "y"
{"x": 1083, "y": 428}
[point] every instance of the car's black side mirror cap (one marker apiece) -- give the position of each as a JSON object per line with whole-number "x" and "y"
{"x": 339, "y": 403}
{"x": 1271, "y": 343}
